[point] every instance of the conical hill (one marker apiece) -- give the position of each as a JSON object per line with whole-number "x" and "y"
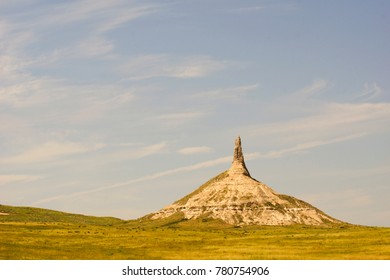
{"x": 236, "y": 198}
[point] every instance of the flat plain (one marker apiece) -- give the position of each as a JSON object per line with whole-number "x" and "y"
{"x": 32, "y": 233}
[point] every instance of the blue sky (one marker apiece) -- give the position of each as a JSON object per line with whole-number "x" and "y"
{"x": 118, "y": 108}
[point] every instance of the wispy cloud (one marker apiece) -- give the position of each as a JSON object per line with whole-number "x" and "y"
{"x": 106, "y": 15}
{"x": 94, "y": 46}
{"x": 195, "y": 150}
{"x": 30, "y": 91}
{"x": 172, "y": 119}
{"x": 91, "y": 40}
{"x": 250, "y": 9}
{"x": 154, "y": 176}
{"x": 330, "y": 121}
{"x": 305, "y": 94}
{"x": 12, "y": 178}
{"x": 50, "y": 151}
{"x": 15, "y": 38}
{"x": 120, "y": 16}
{"x": 370, "y": 91}
{"x": 19, "y": 31}
{"x": 302, "y": 101}
{"x": 19, "y": 87}
{"x": 103, "y": 100}
{"x": 147, "y": 151}
{"x": 11, "y": 69}
{"x": 278, "y": 8}
{"x": 227, "y": 93}
{"x": 129, "y": 151}
{"x": 322, "y": 122}
{"x": 164, "y": 65}
{"x": 313, "y": 88}
{"x": 303, "y": 147}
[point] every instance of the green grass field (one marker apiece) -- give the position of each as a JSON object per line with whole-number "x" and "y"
{"x": 31, "y": 233}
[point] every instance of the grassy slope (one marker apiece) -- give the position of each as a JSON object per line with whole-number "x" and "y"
{"x": 29, "y": 233}
{"x": 39, "y": 215}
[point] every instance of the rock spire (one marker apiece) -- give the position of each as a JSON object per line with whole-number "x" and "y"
{"x": 236, "y": 198}
{"x": 238, "y": 164}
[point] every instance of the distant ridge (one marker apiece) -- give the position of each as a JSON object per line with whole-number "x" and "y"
{"x": 40, "y": 215}
{"x": 236, "y": 198}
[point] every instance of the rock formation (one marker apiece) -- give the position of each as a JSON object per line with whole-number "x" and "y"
{"x": 236, "y": 198}
{"x": 238, "y": 165}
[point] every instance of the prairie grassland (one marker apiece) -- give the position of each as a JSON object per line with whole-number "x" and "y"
{"x": 90, "y": 238}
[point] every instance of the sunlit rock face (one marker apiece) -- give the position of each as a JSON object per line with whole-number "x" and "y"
{"x": 236, "y": 198}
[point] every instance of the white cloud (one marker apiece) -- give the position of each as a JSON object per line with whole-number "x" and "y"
{"x": 310, "y": 145}
{"x": 50, "y": 151}
{"x": 105, "y": 15}
{"x": 132, "y": 151}
{"x": 12, "y": 178}
{"x": 94, "y": 46}
{"x": 94, "y": 18}
{"x": 163, "y": 65}
{"x": 29, "y": 91}
{"x": 10, "y": 124}
{"x": 351, "y": 113}
{"x": 322, "y": 123}
{"x": 97, "y": 106}
{"x": 315, "y": 87}
{"x": 122, "y": 15}
{"x": 302, "y": 101}
{"x": 146, "y": 151}
{"x": 4, "y": 30}
{"x": 248, "y": 9}
{"x": 301, "y": 147}
{"x": 195, "y": 150}
{"x": 129, "y": 144}
{"x": 177, "y": 118}
{"x": 11, "y": 68}
{"x": 227, "y": 93}
{"x": 305, "y": 94}
{"x": 14, "y": 38}
{"x": 329, "y": 121}
{"x": 370, "y": 91}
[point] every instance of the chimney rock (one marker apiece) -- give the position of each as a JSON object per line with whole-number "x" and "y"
{"x": 238, "y": 165}
{"x": 236, "y": 198}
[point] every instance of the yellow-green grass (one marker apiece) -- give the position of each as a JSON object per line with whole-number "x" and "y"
{"x": 61, "y": 237}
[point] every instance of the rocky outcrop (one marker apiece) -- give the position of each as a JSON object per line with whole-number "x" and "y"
{"x": 238, "y": 165}
{"x": 236, "y": 198}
